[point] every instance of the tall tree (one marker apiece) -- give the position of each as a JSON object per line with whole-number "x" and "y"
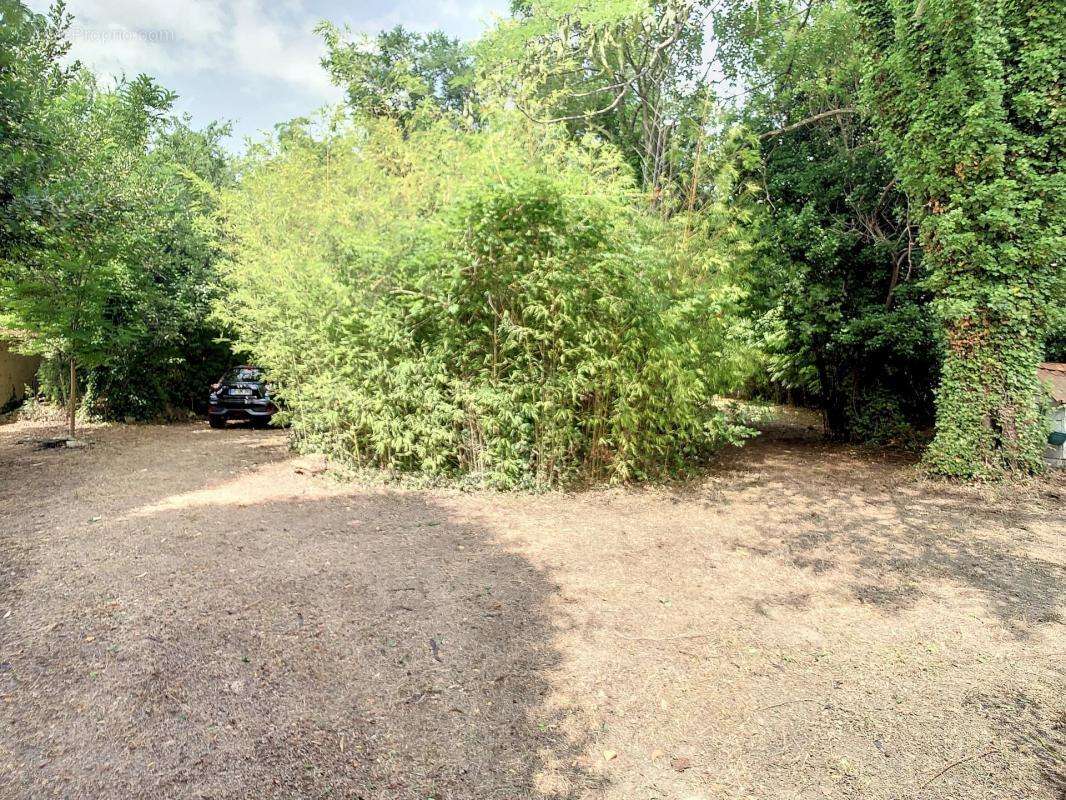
{"x": 164, "y": 370}
{"x": 966, "y": 95}
{"x": 633, "y": 70}
{"x": 397, "y": 72}
{"x": 32, "y": 77}
{"x": 62, "y": 287}
{"x": 836, "y": 279}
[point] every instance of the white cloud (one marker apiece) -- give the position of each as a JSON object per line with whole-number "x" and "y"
{"x": 283, "y": 49}
{"x": 250, "y": 38}
{"x": 461, "y": 18}
{"x": 254, "y": 62}
{"x": 115, "y": 50}
{"x": 190, "y": 21}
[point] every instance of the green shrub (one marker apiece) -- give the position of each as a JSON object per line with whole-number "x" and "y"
{"x": 491, "y": 304}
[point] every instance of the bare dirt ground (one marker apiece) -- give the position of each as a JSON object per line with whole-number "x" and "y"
{"x": 188, "y": 613}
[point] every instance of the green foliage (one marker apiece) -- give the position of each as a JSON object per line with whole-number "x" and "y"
{"x": 106, "y": 260}
{"x": 484, "y": 303}
{"x": 167, "y": 370}
{"x": 1055, "y": 348}
{"x": 967, "y": 98}
{"x": 631, "y": 71}
{"x": 556, "y": 293}
{"x": 31, "y": 78}
{"x": 840, "y": 315}
{"x": 820, "y": 291}
{"x": 398, "y": 72}
{"x": 57, "y": 284}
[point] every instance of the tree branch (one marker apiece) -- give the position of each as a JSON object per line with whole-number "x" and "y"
{"x": 833, "y": 112}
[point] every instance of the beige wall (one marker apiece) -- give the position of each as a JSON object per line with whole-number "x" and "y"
{"x": 15, "y": 373}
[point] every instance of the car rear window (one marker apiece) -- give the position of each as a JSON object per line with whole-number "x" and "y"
{"x": 243, "y": 374}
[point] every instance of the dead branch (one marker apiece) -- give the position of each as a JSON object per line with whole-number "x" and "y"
{"x": 953, "y": 764}
{"x": 790, "y": 702}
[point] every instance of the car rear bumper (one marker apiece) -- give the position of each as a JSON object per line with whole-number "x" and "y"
{"x": 242, "y": 412}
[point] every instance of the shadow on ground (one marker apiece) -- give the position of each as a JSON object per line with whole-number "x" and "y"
{"x": 360, "y": 644}
{"x": 898, "y": 535}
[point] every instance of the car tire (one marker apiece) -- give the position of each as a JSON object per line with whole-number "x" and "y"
{"x": 216, "y": 422}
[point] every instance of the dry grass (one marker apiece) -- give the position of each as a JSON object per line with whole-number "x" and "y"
{"x": 189, "y": 613}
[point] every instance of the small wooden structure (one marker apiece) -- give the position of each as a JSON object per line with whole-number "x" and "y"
{"x": 1054, "y": 376}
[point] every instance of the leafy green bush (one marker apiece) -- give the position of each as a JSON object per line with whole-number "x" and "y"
{"x": 167, "y": 370}
{"x": 819, "y": 290}
{"x": 487, "y": 303}
{"x": 836, "y": 294}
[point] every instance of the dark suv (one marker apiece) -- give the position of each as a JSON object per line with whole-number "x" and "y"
{"x": 242, "y": 393}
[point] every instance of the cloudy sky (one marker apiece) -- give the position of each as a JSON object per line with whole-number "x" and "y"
{"x": 254, "y": 62}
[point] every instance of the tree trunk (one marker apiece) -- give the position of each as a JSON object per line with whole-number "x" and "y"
{"x": 834, "y": 415}
{"x": 988, "y": 418}
{"x": 72, "y": 399}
